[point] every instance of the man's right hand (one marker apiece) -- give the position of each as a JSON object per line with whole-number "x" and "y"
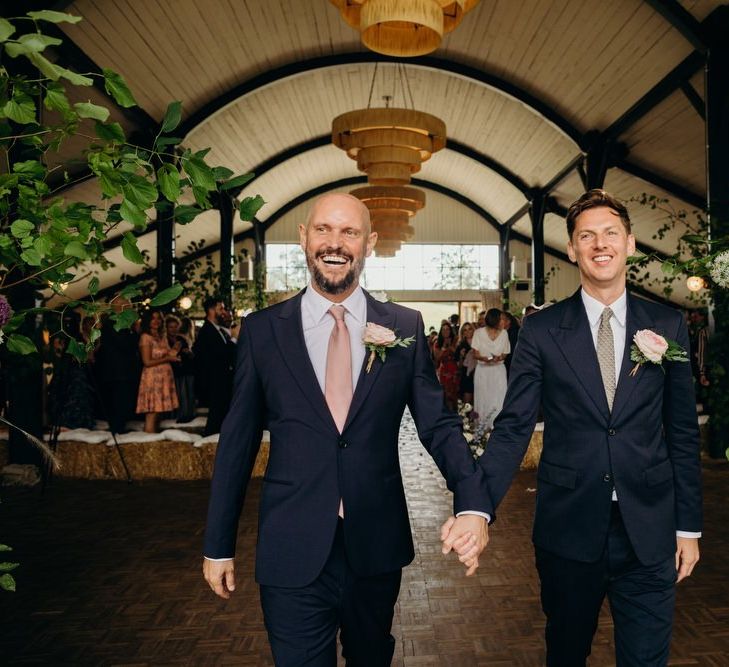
{"x": 220, "y": 575}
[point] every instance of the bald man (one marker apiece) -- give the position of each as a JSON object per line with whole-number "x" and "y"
{"x": 334, "y": 532}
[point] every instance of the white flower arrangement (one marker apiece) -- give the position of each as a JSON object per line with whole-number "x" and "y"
{"x": 474, "y": 433}
{"x": 719, "y": 269}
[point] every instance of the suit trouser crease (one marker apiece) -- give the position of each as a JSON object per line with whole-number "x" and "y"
{"x": 641, "y": 599}
{"x": 302, "y": 623}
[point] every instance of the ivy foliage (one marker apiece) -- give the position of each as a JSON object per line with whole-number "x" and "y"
{"x": 48, "y": 241}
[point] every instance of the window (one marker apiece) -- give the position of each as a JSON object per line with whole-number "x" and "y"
{"x": 418, "y": 266}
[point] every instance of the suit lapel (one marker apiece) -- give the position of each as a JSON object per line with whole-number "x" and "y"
{"x": 636, "y": 319}
{"x": 574, "y": 339}
{"x": 289, "y": 334}
{"x": 379, "y": 314}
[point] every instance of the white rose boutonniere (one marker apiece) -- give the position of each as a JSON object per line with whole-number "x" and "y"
{"x": 649, "y": 346}
{"x": 378, "y": 339}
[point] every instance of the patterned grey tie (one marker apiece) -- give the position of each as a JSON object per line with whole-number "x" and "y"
{"x": 606, "y": 355}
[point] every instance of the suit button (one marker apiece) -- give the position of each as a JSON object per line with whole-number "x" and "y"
{"x": 343, "y": 444}
{"x": 606, "y": 477}
{"x": 611, "y": 431}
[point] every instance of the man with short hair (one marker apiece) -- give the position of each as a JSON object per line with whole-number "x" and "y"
{"x": 334, "y": 532}
{"x": 214, "y": 357}
{"x": 618, "y": 507}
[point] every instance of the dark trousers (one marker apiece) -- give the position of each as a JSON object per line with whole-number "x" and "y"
{"x": 118, "y": 403}
{"x": 302, "y": 623}
{"x": 641, "y": 600}
{"x": 218, "y": 404}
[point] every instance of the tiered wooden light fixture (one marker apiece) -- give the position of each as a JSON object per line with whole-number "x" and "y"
{"x": 389, "y": 145}
{"x": 391, "y": 209}
{"x": 403, "y": 28}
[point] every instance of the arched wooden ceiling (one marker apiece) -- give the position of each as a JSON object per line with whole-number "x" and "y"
{"x": 523, "y": 87}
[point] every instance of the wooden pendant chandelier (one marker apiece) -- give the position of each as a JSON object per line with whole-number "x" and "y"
{"x": 403, "y": 28}
{"x": 389, "y": 145}
{"x": 391, "y": 209}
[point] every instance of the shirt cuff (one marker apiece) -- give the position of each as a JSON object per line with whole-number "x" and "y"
{"x": 483, "y": 515}
{"x": 686, "y": 533}
{"x": 217, "y": 560}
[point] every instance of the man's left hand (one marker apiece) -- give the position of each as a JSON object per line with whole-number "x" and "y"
{"x": 687, "y": 555}
{"x": 468, "y": 536}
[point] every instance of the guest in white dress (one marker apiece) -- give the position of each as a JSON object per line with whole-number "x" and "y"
{"x": 491, "y": 346}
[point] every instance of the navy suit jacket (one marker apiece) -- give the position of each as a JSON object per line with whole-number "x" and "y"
{"x": 311, "y": 465}
{"x": 647, "y": 448}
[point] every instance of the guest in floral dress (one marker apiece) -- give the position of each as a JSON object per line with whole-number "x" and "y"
{"x": 157, "y": 392}
{"x": 466, "y": 363}
{"x": 446, "y": 365}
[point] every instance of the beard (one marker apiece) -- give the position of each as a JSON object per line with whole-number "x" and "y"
{"x": 334, "y": 286}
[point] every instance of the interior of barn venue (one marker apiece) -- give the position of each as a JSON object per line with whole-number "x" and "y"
{"x": 491, "y": 192}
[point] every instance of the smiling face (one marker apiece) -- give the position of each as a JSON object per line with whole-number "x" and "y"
{"x": 600, "y": 245}
{"x": 336, "y": 240}
{"x": 155, "y": 322}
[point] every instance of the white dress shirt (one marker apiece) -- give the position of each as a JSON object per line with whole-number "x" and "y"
{"x": 318, "y": 325}
{"x": 619, "y": 307}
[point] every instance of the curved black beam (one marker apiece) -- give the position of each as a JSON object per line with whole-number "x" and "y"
{"x": 358, "y": 180}
{"x": 364, "y": 57}
{"x": 451, "y": 144}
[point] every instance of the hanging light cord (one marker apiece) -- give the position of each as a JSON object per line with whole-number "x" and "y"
{"x": 372, "y": 87}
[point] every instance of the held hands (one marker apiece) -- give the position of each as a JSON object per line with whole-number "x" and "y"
{"x": 220, "y": 576}
{"x": 468, "y": 536}
{"x": 687, "y": 555}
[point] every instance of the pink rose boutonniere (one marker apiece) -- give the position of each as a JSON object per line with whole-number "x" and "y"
{"x": 649, "y": 346}
{"x": 378, "y": 339}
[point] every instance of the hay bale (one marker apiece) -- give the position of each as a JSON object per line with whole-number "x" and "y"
{"x": 534, "y": 452}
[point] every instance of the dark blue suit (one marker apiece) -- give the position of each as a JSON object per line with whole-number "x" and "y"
{"x": 311, "y": 465}
{"x": 647, "y": 448}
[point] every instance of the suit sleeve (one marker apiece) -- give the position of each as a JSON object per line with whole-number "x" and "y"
{"x": 682, "y": 436}
{"x": 240, "y": 440}
{"x": 514, "y": 426}
{"x": 441, "y": 434}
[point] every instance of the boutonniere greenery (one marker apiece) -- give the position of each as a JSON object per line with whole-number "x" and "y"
{"x": 648, "y": 346}
{"x": 378, "y": 339}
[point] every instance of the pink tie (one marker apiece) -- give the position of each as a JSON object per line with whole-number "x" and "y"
{"x": 338, "y": 376}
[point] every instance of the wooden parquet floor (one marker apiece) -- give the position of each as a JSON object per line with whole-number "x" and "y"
{"x": 110, "y": 575}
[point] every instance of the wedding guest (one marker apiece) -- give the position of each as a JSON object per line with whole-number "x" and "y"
{"x": 184, "y": 371}
{"x": 490, "y": 345}
{"x": 511, "y": 326}
{"x": 70, "y": 395}
{"x": 481, "y": 321}
{"x": 157, "y": 393}
{"x": 118, "y": 369}
{"x": 455, "y": 322}
{"x": 187, "y": 329}
{"x": 444, "y": 356}
{"x": 214, "y": 354}
{"x": 466, "y": 363}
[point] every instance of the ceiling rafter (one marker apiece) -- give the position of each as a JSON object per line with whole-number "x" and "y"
{"x": 668, "y": 85}
{"x": 670, "y": 186}
{"x": 682, "y": 20}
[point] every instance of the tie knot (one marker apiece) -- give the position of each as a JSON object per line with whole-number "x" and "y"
{"x": 606, "y": 315}
{"x": 337, "y": 312}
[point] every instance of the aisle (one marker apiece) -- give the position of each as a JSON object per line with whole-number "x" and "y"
{"x": 110, "y": 576}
